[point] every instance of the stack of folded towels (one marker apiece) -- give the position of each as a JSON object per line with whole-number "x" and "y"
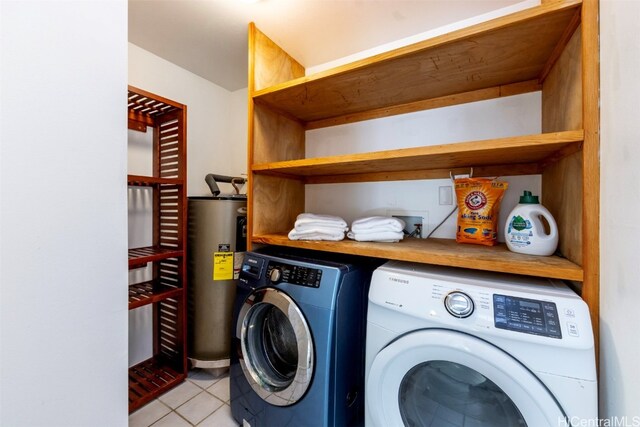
{"x": 310, "y": 226}
{"x": 377, "y": 229}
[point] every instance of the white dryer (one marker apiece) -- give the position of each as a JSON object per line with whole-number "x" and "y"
{"x": 453, "y": 347}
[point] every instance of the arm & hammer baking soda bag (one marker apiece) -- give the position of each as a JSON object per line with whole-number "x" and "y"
{"x": 478, "y": 208}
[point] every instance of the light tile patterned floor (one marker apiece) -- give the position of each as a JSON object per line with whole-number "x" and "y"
{"x": 202, "y": 400}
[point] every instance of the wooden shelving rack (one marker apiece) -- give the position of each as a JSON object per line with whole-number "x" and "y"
{"x": 166, "y": 291}
{"x": 551, "y": 48}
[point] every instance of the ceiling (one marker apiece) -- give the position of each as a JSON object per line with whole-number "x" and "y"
{"x": 209, "y": 37}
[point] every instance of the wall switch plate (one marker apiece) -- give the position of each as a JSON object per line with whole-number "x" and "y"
{"x": 445, "y": 195}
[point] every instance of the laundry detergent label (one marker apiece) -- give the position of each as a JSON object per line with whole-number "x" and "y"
{"x": 222, "y": 265}
{"x": 519, "y": 232}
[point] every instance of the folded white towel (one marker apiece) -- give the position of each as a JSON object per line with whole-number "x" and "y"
{"x": 320, "y": 220}
{"x": 317, "y": 234}
{"x": 378, "y": 223}
{"x": 381, "y": 236}
{"x": 328, "y": 228}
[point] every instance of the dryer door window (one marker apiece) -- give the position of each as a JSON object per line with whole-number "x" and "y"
{"x": 454, "y": 392}
{"x": 277, "y": 350}
{"x": 442, "y": 377}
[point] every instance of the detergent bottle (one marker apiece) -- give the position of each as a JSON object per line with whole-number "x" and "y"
{"x": 524, "y": 232}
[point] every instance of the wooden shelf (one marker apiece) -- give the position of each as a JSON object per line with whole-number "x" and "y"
{"x": 504, "y": 156}
{"x": 151, "y": 181}
{"x": 138, "y": 257}
{"x": 151, "y": 292}
{"x": 443, "y": 252}
{"x": 149, "y": 379}
{"x": 512, "y": 53}
{"x": 165, "y": 293}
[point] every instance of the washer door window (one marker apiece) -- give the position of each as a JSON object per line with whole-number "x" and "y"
{"x": 277, "y": 349}
{"x": 437, "y": 377}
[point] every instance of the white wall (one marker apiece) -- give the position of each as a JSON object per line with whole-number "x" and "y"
{"x": 216, "y": 141}
{"x": 620, "y": 204}
{"x": 63, "y": 273}
{"x": 517, "y": 115}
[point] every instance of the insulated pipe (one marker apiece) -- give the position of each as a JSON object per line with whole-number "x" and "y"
{"x": 213, "y": 179}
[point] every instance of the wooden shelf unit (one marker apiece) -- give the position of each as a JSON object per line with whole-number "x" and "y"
{"x": 551, "y": 48}
{"x": 166, "y": 291}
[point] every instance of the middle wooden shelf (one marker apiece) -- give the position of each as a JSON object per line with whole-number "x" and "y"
{"x": 519, "y": 155}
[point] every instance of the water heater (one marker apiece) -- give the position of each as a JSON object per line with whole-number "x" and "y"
{"x": 216, "y": 245}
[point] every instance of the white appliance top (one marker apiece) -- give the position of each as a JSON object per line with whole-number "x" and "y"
{"x": 500, "y": 308}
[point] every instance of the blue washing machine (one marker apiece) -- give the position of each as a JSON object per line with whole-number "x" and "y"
{"x": 298, "y": 345}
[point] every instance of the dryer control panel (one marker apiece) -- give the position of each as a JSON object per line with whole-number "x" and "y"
{"x": 526, "y": 315}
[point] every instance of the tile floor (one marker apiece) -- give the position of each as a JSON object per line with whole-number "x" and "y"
{"x": 202, "y": 400}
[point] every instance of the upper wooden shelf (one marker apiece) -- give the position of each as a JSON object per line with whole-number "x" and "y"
{"x": 513, "y": 156}
{"x": 502, "y": 53}
{"x": 443, "y": 252}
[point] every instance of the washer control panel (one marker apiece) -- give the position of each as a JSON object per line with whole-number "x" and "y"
{"x": 526, "y": 315}
{"x": 278, "y": 272}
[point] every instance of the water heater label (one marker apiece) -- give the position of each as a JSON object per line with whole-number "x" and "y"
{"x": 223, "y": 266}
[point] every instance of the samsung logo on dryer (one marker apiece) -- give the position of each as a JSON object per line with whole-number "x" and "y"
{"x": 397, "y": 280}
